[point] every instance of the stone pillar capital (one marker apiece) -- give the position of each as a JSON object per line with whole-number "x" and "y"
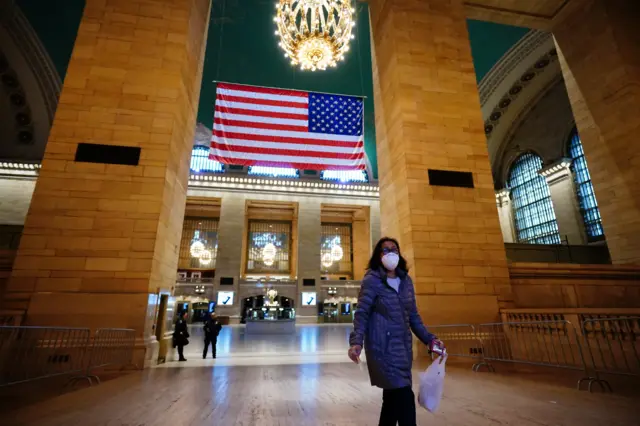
{"x": 503, "y": 197}
{"x": 557, "y": 171}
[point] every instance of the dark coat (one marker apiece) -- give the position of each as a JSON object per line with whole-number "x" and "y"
{"x": 384, "y": 321}
{"x": 180, "y": 334}
{"x": 212, "y": 328}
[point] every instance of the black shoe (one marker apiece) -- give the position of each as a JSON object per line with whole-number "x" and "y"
{"x": 182, "y": 359}
{"x": 214, "y": 357}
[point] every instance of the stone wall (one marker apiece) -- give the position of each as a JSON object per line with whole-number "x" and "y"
{"x": 539, "y": 285}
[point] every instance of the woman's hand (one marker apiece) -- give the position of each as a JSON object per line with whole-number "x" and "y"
{"x": 436, "y": 343}
{"x": 354, "y": 353}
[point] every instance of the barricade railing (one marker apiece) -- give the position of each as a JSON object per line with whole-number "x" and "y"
{"x": 111, "y": 347}
{"x": 600, "y": 347}
{"x": 31, "y": 353}
{"x": 541, "y": 343}
{"x": 613, "y": 347}
{"x": 462, "y": 341}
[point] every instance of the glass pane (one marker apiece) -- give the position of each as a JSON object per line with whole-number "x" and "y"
{"x": 200, "y": 161}
{"x": 199, "y": 243}
{"x": 273, "y": 171}
{"x": 584, "y": 188}
{"x": 269, "y": 247}
{"x": 336, "y": 253}
{"x": 344, "y": 176}
{"x": 535, "y": 219}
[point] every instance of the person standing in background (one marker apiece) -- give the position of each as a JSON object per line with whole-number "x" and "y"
{"x": 212, "y": 329}
{"x": 181, "y": 336}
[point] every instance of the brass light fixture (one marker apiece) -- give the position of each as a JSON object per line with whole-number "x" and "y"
{"x": 314, "y": 34}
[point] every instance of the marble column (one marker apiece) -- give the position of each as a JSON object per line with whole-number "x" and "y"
{"x": 505, "y": 214}
{"x": 428, "y": 117}
{"x": 599, "y": 46}
{"x": 565, "y": 202}
{"x": 361, "y": 237}
{"x": 309, "y": 268}
{"x": 374, "y": 220}
{"x": 102, "y": 239}
{"x": 231, "y": 229}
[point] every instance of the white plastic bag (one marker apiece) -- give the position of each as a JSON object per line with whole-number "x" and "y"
{"x": 432, "y": 384}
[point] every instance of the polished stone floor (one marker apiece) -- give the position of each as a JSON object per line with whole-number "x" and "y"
{"x": 310, "y": 344}
{"x": 273, "y": 380}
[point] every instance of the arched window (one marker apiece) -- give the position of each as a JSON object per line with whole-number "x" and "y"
{"x": 535, "y": 219}
{"x": 584, "y": 188}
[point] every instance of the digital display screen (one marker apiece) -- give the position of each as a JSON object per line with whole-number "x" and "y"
{"x": 346, "y": 308}
{"x": 225, "y": 298}
{"x": 309, "y": 299}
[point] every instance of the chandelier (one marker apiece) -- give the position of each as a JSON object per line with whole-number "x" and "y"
{"x": 205, "y": 257}
{"x": 269, "y": 254}
{"x": 196, "y": 249}
{"x": 336, "y": 253}
{"x": 326, "y": 260}
{"x": 314, "y": 34}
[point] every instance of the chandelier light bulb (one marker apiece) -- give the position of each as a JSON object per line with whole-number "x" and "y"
{"x": 196, "y": 249}
{"x": 314, "y": 33}
{"x": 326, "y": 260}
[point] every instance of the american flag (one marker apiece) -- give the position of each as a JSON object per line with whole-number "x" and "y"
{"x": 287, "y": 128}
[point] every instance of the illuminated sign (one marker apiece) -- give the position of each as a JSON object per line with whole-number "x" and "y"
{"x": 309, "y": 299}
{"x": 225, "y": 298}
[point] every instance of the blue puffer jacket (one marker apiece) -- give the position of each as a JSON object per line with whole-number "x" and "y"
{"x": 384, "y": 321}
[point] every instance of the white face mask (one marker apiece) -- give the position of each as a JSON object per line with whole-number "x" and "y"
{"x": 390, "y": 261}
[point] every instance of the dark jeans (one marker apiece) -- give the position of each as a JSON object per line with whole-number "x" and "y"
{"x": 212, "y": 342}
{"x": 180, "y": 351}
{"x": 398, "y": 407}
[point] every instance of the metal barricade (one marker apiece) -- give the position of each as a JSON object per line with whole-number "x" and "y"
{"x": 614, "y": 347}
{"x": 111, "y": 347}
{"x": 461, "y": 341}
{"x": 543, "y": 343}
{"x": 31, "y": 353}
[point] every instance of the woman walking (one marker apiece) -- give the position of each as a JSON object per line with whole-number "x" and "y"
{"x": 383, "y": 322}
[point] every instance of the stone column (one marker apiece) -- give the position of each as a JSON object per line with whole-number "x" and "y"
{"x": 230, "y": 243}
{"x": 361, "y": 236}
{"x": 428, "y": 117}
{"x": 565, "y": 201}
{"x": 374, "y": 220}
{"x": 599, "y": 46}
{"x": 505, "y": 214}
{"x": 309, "y": 235}
{"x": 100, "y": 240}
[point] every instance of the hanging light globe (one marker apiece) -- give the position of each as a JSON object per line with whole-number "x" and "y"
{"x": 196, "y": 248}
{"x": 269, "y": 251}
{"x": 268, "y": 261}
{"x": 326, "y": 260}
{"x": 205, "y": 257}
{"x": 336, "y": 253}
{"x": 314, "y": 34}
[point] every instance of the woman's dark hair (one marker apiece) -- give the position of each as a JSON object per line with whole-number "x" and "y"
{"x": 375, "y": 263}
